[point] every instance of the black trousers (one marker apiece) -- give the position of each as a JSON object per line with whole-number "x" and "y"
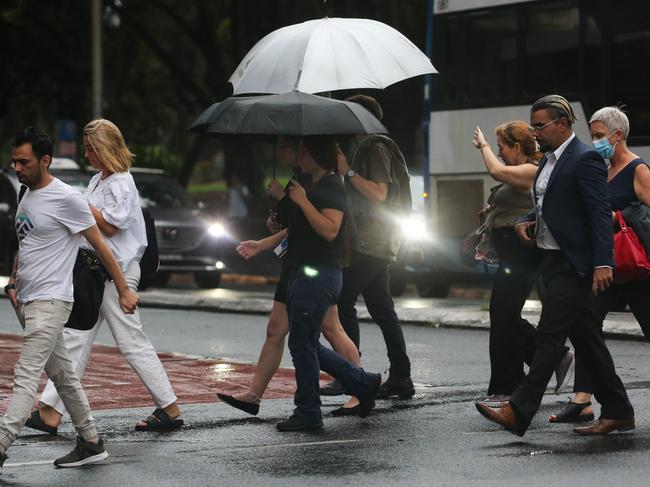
{"x": 634, "y": 294}
{"x": 368, "y": 276}
{"x": 512, "y": 338}
{"x": 569, "y": 311}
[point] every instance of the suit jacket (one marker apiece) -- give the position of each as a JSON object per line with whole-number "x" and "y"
{"x": 576, "y": 207}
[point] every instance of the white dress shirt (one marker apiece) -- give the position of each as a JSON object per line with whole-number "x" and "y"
{"x": 545, "y": 239}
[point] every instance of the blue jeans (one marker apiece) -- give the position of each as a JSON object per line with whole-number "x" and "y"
{"x": 312, "y": 290}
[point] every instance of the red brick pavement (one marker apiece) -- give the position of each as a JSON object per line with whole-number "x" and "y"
{"x": 110, "y": 383}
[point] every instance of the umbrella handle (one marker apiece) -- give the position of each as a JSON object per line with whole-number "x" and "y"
{"x": 275, "y": 142}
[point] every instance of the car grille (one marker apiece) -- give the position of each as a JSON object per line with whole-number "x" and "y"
{"x": 177, "y": 239}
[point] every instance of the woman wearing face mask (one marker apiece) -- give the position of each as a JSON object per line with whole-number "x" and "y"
{"x": 628, "y": 179}
{"x": 511, "y": 337}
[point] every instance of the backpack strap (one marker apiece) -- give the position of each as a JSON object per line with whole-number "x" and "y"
{"x": 22, "y": 191}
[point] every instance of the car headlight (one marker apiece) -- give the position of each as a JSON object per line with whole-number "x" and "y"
{"x": 217, "y": 230}
{"x": 414, "y": 229}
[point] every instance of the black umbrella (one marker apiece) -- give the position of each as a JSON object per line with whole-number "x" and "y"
{"x": 293, "y": 113}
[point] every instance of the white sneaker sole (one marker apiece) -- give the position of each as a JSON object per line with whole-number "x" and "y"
{"x": 86, "y": 461}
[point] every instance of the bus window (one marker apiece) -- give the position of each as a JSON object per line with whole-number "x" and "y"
{"x": 631, "y": 87}
{"x": 450, "y": 55}
{"x": 551, "y": 51}
{"x": 594, "y": 79}
{"x": 492, "y": 54}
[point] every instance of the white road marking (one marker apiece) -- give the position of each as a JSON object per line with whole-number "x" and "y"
{"x": 325, "y": 442}
{"x": 27, "y": 464}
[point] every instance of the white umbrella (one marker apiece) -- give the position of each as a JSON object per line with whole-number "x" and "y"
{"x": 329, "y": 54}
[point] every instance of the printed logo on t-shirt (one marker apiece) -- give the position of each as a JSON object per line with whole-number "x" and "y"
{"x": 23, "y": 226}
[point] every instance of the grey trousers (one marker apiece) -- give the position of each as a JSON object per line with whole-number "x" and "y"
{"x": 44, "y": 349}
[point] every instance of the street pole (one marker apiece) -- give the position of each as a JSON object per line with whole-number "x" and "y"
{"x": 426, "y": 108}
{"x": 96, "y": 22}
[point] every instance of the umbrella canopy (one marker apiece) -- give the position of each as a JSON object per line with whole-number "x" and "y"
{"x": 329, "y": 54}
{"x": 287, "y": 114}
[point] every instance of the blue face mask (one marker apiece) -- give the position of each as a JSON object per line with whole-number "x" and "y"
{"x": 603, "y": 147}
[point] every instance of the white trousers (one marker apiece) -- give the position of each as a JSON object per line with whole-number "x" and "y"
{"x": 43, "y": 349}
{"x": 133, "y": 344}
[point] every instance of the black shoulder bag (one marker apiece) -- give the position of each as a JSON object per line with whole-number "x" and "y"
{"x": 88, "y": 278}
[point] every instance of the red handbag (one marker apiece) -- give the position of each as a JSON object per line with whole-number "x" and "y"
{"x": 629, "y": 254}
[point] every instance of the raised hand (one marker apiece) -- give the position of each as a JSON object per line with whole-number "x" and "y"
{"x": 479, "y": 139}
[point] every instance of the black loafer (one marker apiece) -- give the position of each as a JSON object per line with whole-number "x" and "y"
{"x": 334, "y": 388}
{"x": 397, "y": 386}
{"x": 367, "y": 403}
{"x": 343, "y": 411}
{"x": 247, "y": 407}
{"x": 299, "y": 423}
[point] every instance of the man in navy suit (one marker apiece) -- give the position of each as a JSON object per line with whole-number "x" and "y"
{"x": 572, "y": 217}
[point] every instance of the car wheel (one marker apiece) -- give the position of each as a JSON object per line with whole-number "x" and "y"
{"x": 207, "y": 280}
{"x": 432, "y": 289}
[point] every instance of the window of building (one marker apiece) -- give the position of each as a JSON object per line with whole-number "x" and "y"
{"x": 552, "y": 51}
{"x": 491, "y": 56}
{"x": 629, "y": 84}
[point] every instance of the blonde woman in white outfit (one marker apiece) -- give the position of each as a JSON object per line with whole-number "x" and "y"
{"x": 115, "y": 204}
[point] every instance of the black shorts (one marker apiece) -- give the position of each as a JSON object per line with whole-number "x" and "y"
{"x": 281, "y": 289}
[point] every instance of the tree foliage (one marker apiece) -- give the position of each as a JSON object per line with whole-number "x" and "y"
{"x": 164, "y": 62}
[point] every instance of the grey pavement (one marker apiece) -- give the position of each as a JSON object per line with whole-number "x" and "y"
{"x": 411, "y": 309}
{"x": 414, "y": 310}
{"x": 437, "y": 438}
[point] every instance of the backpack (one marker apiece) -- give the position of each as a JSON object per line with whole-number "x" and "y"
{"x": 399, "y": 192}
{"x": 398, "y": 200}
{"x": 150, "y": 260}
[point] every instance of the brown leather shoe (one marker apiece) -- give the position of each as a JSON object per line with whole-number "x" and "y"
{"x": 495, "y": 400}
{"x": 603, "y": 426}
{"x": 503, "y": 415}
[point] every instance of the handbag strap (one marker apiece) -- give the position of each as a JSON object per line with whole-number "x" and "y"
{"x": 621, "y": 221}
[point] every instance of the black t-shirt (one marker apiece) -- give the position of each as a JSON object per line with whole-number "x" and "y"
{"x": 286, "y": 207}
{"x": 306, "y": 247}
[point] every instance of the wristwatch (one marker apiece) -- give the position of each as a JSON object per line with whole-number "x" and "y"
{"x": 350, "y": 173}
{"x": 8, "y": 287}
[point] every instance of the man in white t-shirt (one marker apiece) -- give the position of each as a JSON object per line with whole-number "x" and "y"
{"x": 51, "y": 221}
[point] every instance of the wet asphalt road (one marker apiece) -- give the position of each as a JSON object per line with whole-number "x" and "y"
{"x": 437, "y": 438}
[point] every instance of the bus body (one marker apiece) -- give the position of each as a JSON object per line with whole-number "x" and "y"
{"x": 496, "y": 57}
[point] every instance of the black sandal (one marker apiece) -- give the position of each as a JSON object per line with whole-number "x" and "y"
{"x": 36, "y": 423}
{"x": 571, "y": 413}
{"x": 160, "y": 421}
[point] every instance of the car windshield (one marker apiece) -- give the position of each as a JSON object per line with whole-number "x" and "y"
{"x": 162, "y": 193}
{"x": 77, "y": 179}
